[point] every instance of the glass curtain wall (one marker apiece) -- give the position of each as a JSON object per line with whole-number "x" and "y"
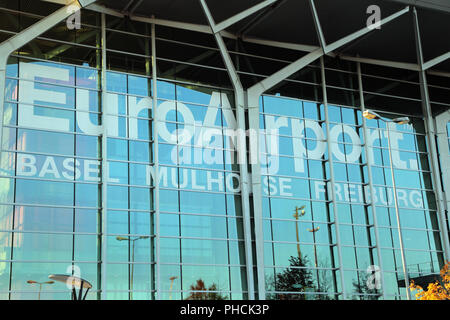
{"x": 51, "y": 169}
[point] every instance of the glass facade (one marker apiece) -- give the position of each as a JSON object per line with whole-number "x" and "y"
{"x": 78, "y": 180}
{"x": 302, "y": 179}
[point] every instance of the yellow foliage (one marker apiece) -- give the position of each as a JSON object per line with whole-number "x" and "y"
{"x": 437, "y": 290}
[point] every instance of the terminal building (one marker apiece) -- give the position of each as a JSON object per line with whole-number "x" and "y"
{"x": 200, "y": 149}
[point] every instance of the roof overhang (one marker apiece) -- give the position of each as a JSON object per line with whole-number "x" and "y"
{"x": 393, "y": 45}
{"x": 441, "y": 5}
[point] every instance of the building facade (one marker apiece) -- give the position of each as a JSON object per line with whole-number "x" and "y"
{"x": 145, "y": 154}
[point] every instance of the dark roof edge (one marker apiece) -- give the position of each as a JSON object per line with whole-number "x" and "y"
{"x": 440, "y": 5}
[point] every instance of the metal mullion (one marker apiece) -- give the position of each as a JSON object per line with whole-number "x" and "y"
{"x": 135, "y": 210}
{"x": 305, "y": 221}
{"x": 269, "y": 197}
{"x": 51, "y": 131}
{"x": 53, "y": 40}
{"x": 199, "y": 191}
{"x": 48, "y": 232}
{"x": 172, "y": 81}
{"x": 332, "y": 182}
{"x": 201, "y": 169}
{"x": 104, "y": 140}
{"x": 129, "y": 161}
{"x": 391, "y": 96}
{"x": 155, "y": 160}
{"x": 226, "y": 200}
{"x": 192, "y": 64}
{"x": 203, "y": 238}
{"x": 22, "y": 57}
{"x": 178, "y": 189}
{"x": 59, "y": 85}
{"x": 202, "y": 264}
{"x": 51, "y": 107}
{"x": 202, "y": 214}
{"x": 130, "y": 243}
{"x": 14, "y": 200}
{"x": 48, "y": 180}
{"x": 38, "y": 16}
{"x": 74, "y": 180}
{"x": 44, "y": 206}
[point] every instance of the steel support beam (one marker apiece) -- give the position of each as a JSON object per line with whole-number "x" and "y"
{"x": 241, "y": 151}
{"x": 253, "y": 119}
{"x": 430, "y": 131}
{"x": 436, "y": 61}
{"x": 240, "y": 16}
{"x": 317, "y": 25}
{"x": 259, "y": 18}
{"x": 136, "y": 6}
{"x": 345, "y": 40}
{"x": 289, "y": 70}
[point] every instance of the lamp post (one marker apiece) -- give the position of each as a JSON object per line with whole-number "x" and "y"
{"x": 172, "y": 279}
{"x": 40, "y": 285}
{"x": 133, "y": 241}
{"x": 371, "y": 115}
{"x": 313, "y": 231}
{"x": 296, "y": 216}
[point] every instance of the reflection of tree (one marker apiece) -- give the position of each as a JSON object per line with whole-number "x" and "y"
{"x": 323, "y": 281}
{"x": 201, "y": 292}
{"x": 295, "y": 278}
{"x": 362, "y": 291}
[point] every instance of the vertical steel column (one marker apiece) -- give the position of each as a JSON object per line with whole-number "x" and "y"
{"x": 332, "y": 183}
{"x": 397, "y": 213}
{"x": 253, "y": 118}
{"x": 241, "y": 150}
{"x": 369, "y": 163}
{"x": 156, "y": 166}
{"x": 105, "y": 174}
{"x": 430, "y": 131}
